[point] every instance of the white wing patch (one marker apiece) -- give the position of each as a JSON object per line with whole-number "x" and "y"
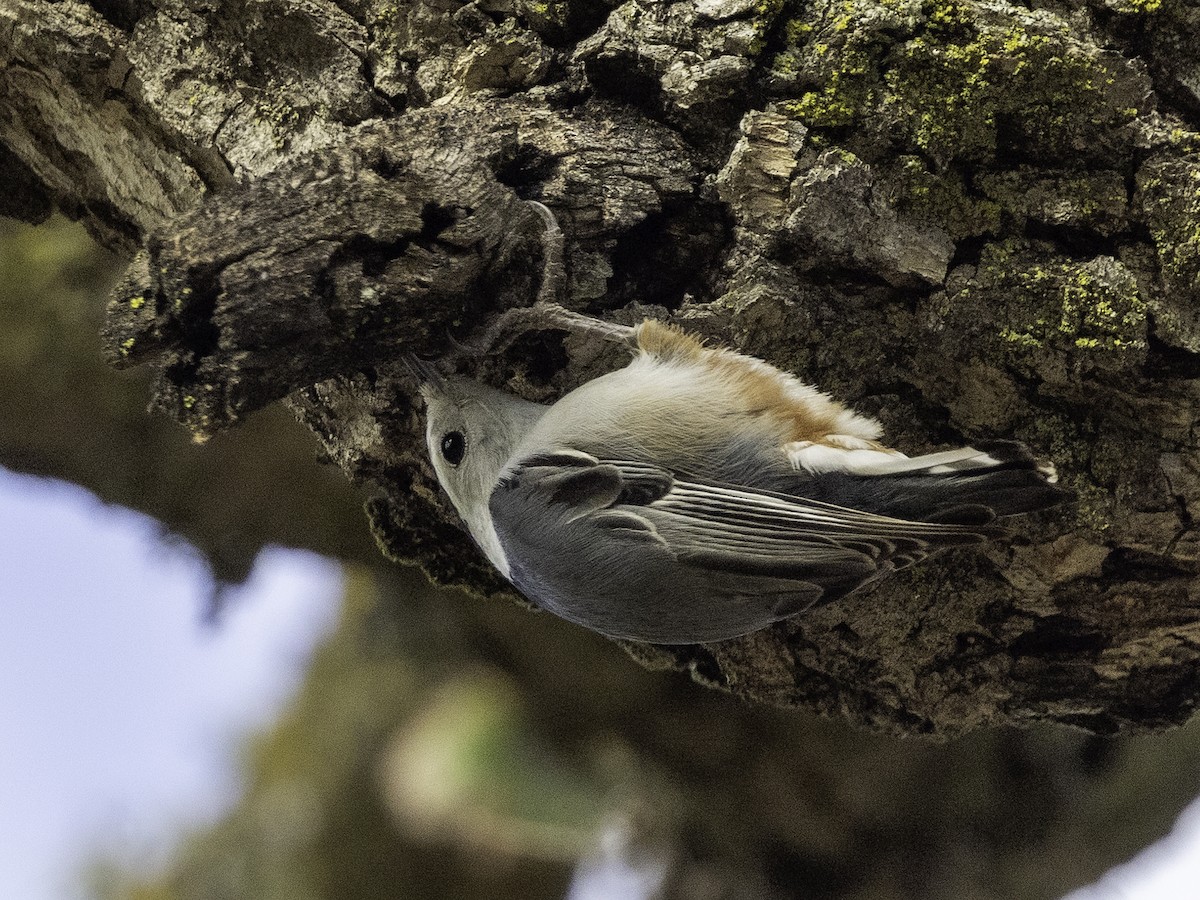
{"x": 843, "y": 453}
{"x": 840, "y": 453}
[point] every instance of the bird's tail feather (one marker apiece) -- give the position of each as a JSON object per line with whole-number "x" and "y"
{"x": 970, "y": 486}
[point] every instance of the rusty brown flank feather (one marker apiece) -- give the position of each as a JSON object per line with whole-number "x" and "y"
{"x": 759, "y": 386}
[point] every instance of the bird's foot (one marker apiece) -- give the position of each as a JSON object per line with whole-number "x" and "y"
{"x": 513, "y": 323}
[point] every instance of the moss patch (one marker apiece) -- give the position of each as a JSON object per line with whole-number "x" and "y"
{"x": 1169, "y": 194}
{"x": 1095, "y": 201}
{"x": 973, "y": 84}
{"x": 1136, "y": 7}
{"x": 958, "y": 80}
{"x": 942, "y": 199}
{"x": 833, "y": 52}
{"x": 1091, "y": 311}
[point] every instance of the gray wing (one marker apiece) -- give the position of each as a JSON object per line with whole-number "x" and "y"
{"x": 635, "y": 551}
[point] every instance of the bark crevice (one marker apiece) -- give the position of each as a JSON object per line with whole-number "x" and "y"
{"x": 972, "y": 220}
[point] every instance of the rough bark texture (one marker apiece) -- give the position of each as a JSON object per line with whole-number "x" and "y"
{"x": 969, "y": 219}
{"x": 64, "y": 413}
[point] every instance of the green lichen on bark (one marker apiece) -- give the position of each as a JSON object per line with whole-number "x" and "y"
{"x": 1042, "y": 313}
{"x": 982, "y": 117}
{"x": 1095, "y": 201}
{"x": 832, "y": 56}
{"x": 957, "y": 80}
{"x": 975, "y": 83}
{"x": 1168, "y": 203}
{"x": 943, "y": 199}
{"x": 1044, "y": 303}
{"x": 1170, "y": 200}
{"x": 1137, "y": 7}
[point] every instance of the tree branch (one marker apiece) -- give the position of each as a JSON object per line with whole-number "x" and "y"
{"x": 971, "y": 220}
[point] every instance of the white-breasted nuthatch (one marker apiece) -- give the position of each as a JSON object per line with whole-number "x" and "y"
{"x": 699, "y": 494}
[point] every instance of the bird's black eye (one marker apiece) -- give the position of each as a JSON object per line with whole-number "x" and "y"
{"x": 454, "y": 447}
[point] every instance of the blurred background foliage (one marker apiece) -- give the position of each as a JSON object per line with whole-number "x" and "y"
{"x": 65, "y": 414}
{"x": 446, "y": 745}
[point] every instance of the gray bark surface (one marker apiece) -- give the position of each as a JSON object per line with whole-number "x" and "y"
{"x": 969, "y": 219}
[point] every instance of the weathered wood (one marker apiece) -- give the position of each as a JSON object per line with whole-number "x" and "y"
{"x": 972, "y": 220}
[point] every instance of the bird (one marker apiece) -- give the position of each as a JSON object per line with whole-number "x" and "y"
{"x": 699, "y": 493}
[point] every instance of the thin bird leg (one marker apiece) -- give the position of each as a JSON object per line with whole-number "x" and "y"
{"x": 546, "y": 314}
{"x": 512, "y": 323}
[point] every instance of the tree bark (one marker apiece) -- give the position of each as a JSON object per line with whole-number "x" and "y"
{"x": 971, "y": 220}
{"x": 64, "y": 413}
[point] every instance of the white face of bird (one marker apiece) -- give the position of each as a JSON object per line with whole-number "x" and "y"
{"x": 472, "y": 431}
